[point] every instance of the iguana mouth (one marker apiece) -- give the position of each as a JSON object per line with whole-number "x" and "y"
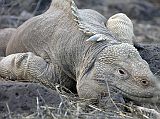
{"x": 147, "y": 98}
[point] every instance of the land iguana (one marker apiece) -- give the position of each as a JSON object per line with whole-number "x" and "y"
{"x": 73, "y": 46}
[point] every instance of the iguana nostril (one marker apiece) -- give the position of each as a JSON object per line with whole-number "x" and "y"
{"x": 144, "y": 82}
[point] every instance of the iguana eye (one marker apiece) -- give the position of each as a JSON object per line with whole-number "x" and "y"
{"x": 123, "y": 74}
{"x": 121, "y": 71}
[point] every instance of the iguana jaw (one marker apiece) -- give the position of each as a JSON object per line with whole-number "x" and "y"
{"x": 148, "y": 98}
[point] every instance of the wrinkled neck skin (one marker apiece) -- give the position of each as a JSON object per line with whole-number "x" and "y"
{"x": 87, "y": 85}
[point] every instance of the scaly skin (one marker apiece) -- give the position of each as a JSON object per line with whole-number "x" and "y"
{"x": 122, "y": 27}
{"x": 61, "y": 54}
{"x": 123, "y": 69}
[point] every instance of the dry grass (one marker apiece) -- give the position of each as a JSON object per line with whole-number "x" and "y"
{"x": 72, "y": 107}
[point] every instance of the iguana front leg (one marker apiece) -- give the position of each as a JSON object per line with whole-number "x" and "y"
{"x": 26, "y": 67}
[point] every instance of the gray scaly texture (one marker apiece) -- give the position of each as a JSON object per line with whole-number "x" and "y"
{"x": 21, "y": 64}
{"x": 122, "y": 27}
{"x": 61, "y": 54}
{"x": 119, "y": 24}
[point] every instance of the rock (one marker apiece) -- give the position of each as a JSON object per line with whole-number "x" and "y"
{"x": 21, "y": 97}
{"x": 11, "y": 11}
{"x": 151, "y": 53}
{"x": 15, "y": 7}
{"x": 157, "y": 21}
{"x": 26, "y": 15}
{"x": 139, "y": 9}
{"x": 35, "y": 7}
{"x": 146, "y": 33}
{"x": 135, "y": 9}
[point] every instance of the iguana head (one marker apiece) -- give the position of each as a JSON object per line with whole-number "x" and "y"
{"x": 122, "y": 68}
